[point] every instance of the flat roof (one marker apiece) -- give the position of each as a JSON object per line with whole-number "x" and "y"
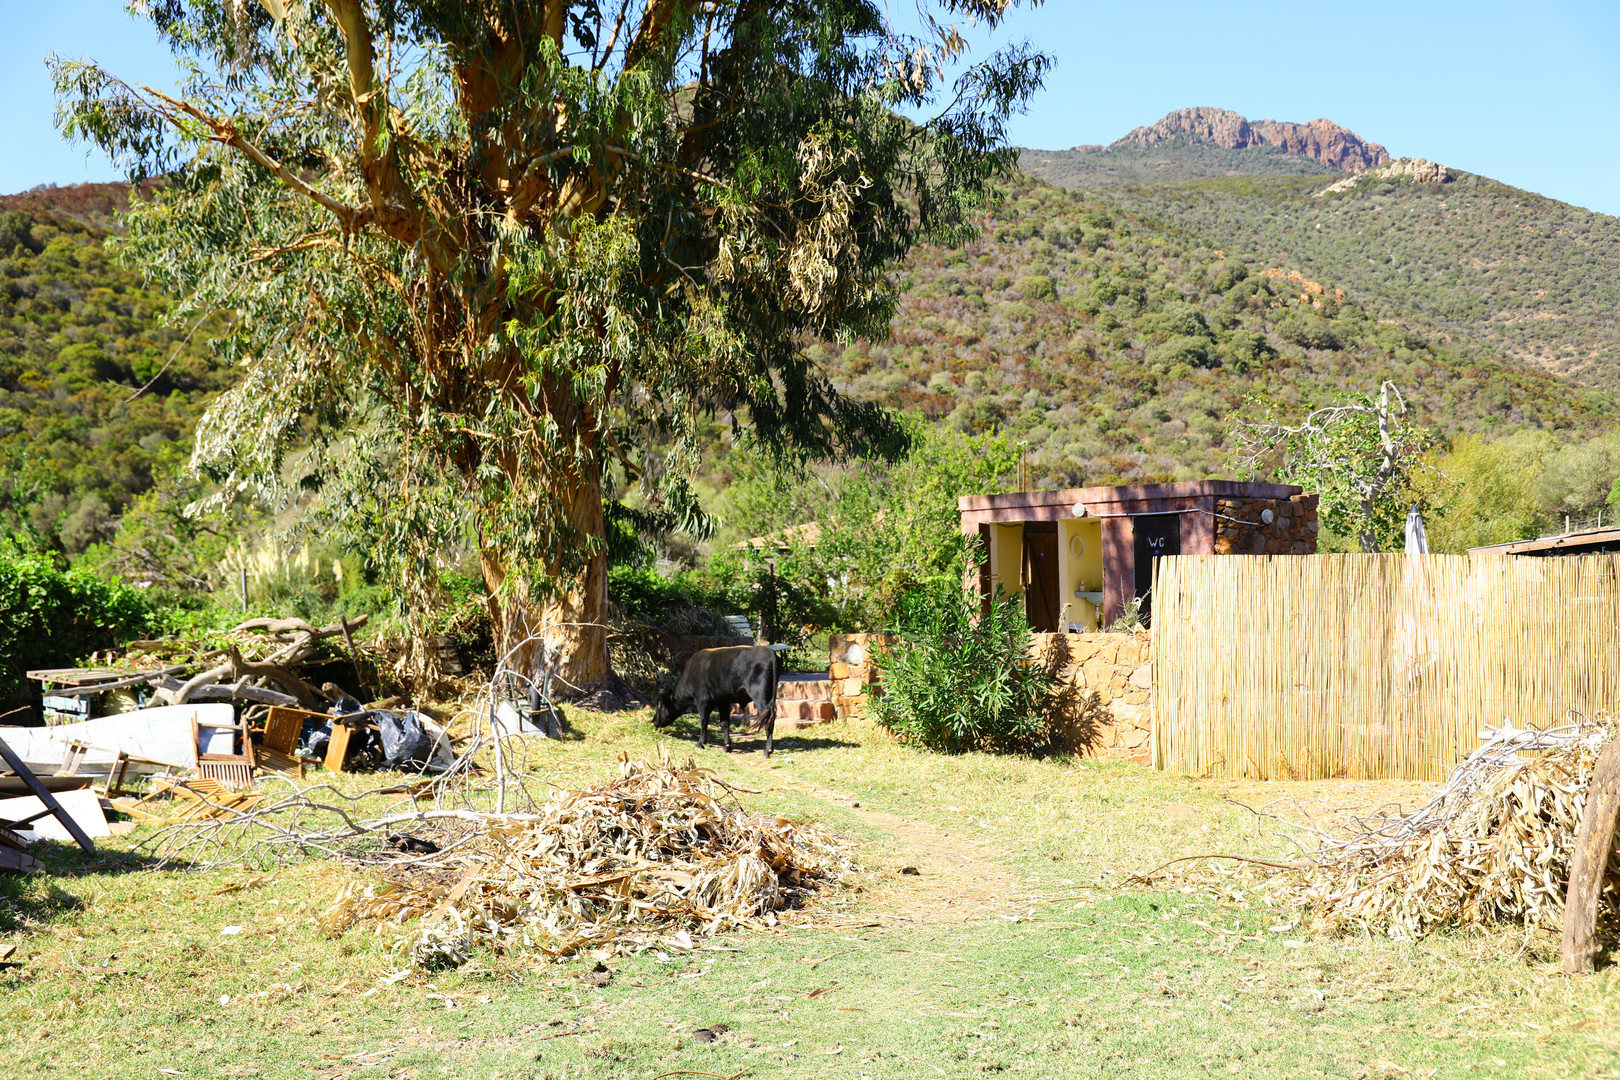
{"x": 1567, "y": 544}
{"x": 1186, "y": 489}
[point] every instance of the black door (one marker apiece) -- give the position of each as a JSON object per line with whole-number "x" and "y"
{"x": 1157, "y": 535}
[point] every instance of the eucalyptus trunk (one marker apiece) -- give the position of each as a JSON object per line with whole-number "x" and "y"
{"x": 556, "y": 625}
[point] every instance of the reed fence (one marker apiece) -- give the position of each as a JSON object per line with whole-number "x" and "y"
{"x": 1372, "y": 666}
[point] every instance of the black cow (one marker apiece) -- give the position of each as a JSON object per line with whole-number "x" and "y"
{"x": 721, "y": 678}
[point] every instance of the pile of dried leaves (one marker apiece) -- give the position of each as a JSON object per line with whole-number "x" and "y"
{"x": 644, "y": 860}
{"x": 1492, "y": 846}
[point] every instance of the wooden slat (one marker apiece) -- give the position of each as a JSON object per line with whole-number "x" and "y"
{"x": 338, "y": 748}
{"x": 283, "y": 726}
{"x": 20, "y": 861}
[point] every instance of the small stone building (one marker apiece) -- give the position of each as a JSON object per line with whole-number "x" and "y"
{"x": 1079, "y": 556}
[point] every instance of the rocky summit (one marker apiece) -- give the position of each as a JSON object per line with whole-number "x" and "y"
{"x": 1322, "y": 140}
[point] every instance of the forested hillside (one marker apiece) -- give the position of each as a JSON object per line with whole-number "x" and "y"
{"x": 1113, "y": 332}
{"x": 98, "y": 396}
{"x": 1530, "y": 278}
{"x": 1119, "y": 348}
{"x": 1104, "y": 166}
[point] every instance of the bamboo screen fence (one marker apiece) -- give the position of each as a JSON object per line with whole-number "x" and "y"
{"x": 1372, "y": 666}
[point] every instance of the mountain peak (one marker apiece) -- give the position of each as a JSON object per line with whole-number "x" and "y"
{"x": 1323, "y": 140}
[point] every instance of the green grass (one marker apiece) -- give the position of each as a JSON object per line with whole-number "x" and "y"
{"x": 126, "y": 972}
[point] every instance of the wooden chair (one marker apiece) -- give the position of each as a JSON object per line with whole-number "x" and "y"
{"x": 234, "y": 770}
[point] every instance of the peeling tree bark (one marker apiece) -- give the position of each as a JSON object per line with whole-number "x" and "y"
{"x": 1593, "y": 844}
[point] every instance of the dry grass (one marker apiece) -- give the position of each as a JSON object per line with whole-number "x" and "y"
{"x": 1051, "y": 979}
{"x": 1492, "y": 846}
{"x": 647, "y": 858}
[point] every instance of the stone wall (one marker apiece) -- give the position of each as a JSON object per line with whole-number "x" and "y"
{"x": 1241, "y": 527}
{"x": 850, "y": 669}
{"x": 1108, "y": 711}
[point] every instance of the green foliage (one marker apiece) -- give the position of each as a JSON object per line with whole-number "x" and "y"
{"x": 1358, "y": 454}
{"x": 881, "y": 528}
{"x": 1491, "y": 269}
{"x": 1179, "y": 355}
{"x": 684, "y": 599}
{"x": 1134, "y": 377}
{"x": 1037, "y": 287}
{"x": 961, "y": 680}
{"x": 79, "y": 336}
{"x": 1104, "y": 167}
{"x": 539, "y": 249}
{"x": 1309, "y": 331}
{"x": 1578, "y": 478}
{"x": 1485, "y": 492}
{"x": 55, "y": 617}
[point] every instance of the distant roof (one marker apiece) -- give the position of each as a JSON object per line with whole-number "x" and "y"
{"x": 1128, "y": 493}
{"x": 808, "y": 534}
{"x": 1591, "y": 542}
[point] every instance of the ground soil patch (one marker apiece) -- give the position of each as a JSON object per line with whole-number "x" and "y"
{"x": 925, "y": 874}
{"x": 1330, "y": 805}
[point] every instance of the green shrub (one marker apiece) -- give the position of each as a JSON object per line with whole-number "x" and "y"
{"x": 1190, "y": 352}
{"x": 1227, "y": 273}
{"x": 1037, "y": 287}
{"x": 1310, "y": 331}
{"x": 1176, "y": 320}
{"x": 55, "y": 617}
{"x": 1247, "y": 349}
{"x": 964, "y": 681}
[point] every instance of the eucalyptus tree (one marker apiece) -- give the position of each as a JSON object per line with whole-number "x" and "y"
{"x": 1360, "y": 455}
{"x": 479, "y": 251}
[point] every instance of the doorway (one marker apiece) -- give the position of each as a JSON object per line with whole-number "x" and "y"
{"x": 1041, "y": 572}
{"x": 1157, "y": 535}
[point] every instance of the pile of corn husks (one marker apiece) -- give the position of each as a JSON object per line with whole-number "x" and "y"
{"x": 645, "y": 860}
{"x": 1492, "y": 846}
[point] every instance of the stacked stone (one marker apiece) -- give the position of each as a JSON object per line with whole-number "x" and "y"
{"x": 1111, "y": 716}
{"x": 854, "y": 679}
{"x": 803, "y": 700}
{"x": 1241, "y": 528}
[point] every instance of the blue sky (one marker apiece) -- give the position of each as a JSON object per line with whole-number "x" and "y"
{"x": 1525, "y": 93}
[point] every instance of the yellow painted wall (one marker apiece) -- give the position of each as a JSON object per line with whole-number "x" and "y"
{"x": 1007, "y": 559}
{"x": 1080, "y": 568}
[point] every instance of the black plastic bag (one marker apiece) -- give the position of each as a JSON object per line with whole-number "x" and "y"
{"x": 404, "y": 743}
{"x": 365, "y": 749}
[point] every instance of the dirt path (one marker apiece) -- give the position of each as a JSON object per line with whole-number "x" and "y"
{"x": 933, "y": 877}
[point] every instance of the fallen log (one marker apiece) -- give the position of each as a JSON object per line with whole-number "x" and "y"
{"x": 308, "y": 697}
{"x": 279, "y": 628}
{"x": 1590, "y": 859}
{"x": 240, "y": 691}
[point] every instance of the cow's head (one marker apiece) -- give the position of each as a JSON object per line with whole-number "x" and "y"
{"x": 666, "y": 713}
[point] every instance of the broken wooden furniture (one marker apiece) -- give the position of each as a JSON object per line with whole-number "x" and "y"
{"x": 47, "y": 800}
{"x": 343, "y": 730}
{"x": 175, "y": 801}
{"x": 118, "y": 772}
{"x": 224, "y": 753}
{"x": 278, "y": 746}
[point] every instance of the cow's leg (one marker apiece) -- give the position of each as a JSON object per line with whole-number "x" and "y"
{"x": 725, "y": 720}
{"x": 703, "y": 723}
{"x": 767, "y": 710}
